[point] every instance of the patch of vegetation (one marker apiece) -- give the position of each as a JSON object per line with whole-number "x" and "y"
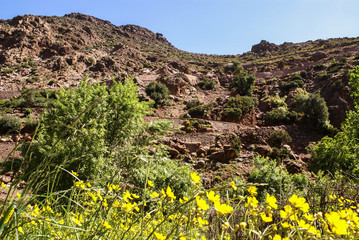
{"x": 242, "y": 83}
{"x": 206, "y": 84}
{"x": 281, "y": 115}
{"x": 334, "y": 66}
{"x": 158, "y": 92}
{"x": 9, "y": 124}
{"x": 279, "y": 138}
{"x": 200, "y": 110}
{"x": 277, "y": 178}
{"x": 340, "y": 153}
{"x": 295, "y": 81}
{"x": 238, "y": 106}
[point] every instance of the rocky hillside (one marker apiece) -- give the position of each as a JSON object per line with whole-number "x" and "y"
{"x": 222, "y": 126}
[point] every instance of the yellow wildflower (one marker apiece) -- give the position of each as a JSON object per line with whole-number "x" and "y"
{"x": 252, "y": 190}
{"x": 75, "y": 173}
{"x": 106, "y": 225}
{"x": 299, "y": 202}
{"x": 266, "y": 218}
{"x": 287, "y": 211}
{"x": 185, "y": 199}
{"x": 252, "y": 202}
{"x": 195, "y": 178}
{"x": 202, "y": 221}
{"x": 154, "y": 195}
{"x": 4, "y": 185}
{"x": 339, "y": 226}
{"x": 20, "y": 230}
{"x": 150, "y": 183}
{"x": 272, "y": 201}
{"x": 159, "y": 236}
{"x": 80, "y": 185}
{"x": 212, "y": 197}
{"x": 233, "y": 185}
{"x": 201, "y": 203}
{"x": 222, "y": 208}
{"x": 169, "y": 193}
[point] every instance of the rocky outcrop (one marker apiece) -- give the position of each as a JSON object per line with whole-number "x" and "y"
{"x": 264, "y": 48}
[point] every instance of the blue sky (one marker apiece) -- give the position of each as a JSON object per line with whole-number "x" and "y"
{"x": 212, "y": 26}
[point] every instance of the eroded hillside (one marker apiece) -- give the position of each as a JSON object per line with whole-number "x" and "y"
{"x": 222, "y": 126}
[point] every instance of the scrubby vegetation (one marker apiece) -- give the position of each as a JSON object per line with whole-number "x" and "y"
{"x": 158, "y": 92}
{"x": 237, "y": 106}
{"x": 96, "y": 170}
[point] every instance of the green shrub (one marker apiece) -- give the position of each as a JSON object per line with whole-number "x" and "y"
{"x": 334, "y": 66}
{"x": 292, "y": 84}
{"x": 279, "y": 137}
{"x": 236, "y": 106}
{"x": 280, "y": 115}
{"x": 276, "y": 101}
{"x": 242, "y": 83}
{"x": 200, "y": 111}
{"x": 192, "y": 104}
{"x": 9, "y": 124}
{"x": 279, "y": 181}
{"x": 206, "y": 84}
{"x": 158, "y": 92}
{"x": 83, "y": 132}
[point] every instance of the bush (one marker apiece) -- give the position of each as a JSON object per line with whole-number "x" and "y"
{"x": 192, "y": 104}
{"x": 280, "y": 115}
{"x": 236, "y": 106}
{"x": 279, "y": 137}
{"x": 276, "y": 101}
{"x": 83, "y": 132}
{"x": 200, "y": 111}
{"x": 9, "y": 124}
{"x": 158, "y": 92}
{"x": 291, "y": 84}
{"x": 242, "y": 83}
{"x": 206, "y": 84}
{"x": 279, "y": 181}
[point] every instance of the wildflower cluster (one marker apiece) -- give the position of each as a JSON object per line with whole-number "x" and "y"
{"x": 113, "y": 212}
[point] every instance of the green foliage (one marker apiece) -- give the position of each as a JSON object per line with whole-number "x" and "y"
{"x": 86, "y": 132}
{"x": 206, "y": 84}
{"x": 334, "y": 66}
{"x": 276, "y": 101}
{"x": 158, "y": 92}
{"x": 293, "y": 83}
{"x": 9, "y": 124}
{"x": 315, "y": 108}
{"x": 341, "y": 153}
{"x": 192, "y": 104}
{"x": 279, "y": 137}
{"x": 242, "y": 83}
{"x": 280, "y": 115}
{"x": 279, "y": 181}
{"x": 239, "y": 105}
{"x": 200, "y": 111}
{"x": 236, "y": 145}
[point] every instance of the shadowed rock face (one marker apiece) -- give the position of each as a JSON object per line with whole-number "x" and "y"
{"x": 264, "y": 47}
